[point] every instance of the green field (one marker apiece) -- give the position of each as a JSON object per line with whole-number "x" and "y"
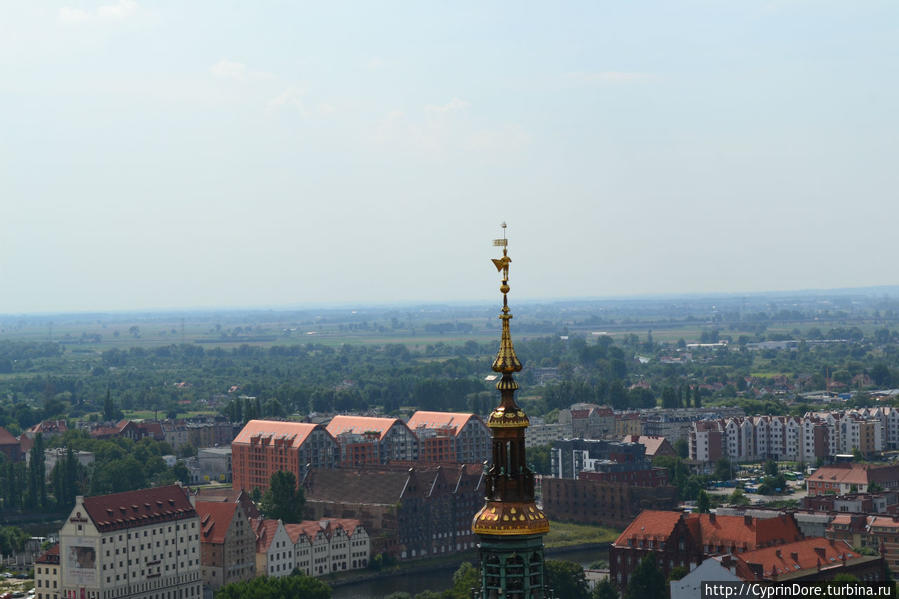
{"x": 566, "y": 534}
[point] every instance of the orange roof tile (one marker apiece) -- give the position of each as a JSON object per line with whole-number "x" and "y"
{"x": 734, "y": 531}
{"x": 440, "y": 420}
{"x": 215, "y": 519}
{"x": 265, "y": 533}
{"x": 799, "y": 555}
{"x": 7, "y": 438}
{"x": 361, "y": 424}
{"x": 650, "y": 523}
{"x": 295, "y": 432}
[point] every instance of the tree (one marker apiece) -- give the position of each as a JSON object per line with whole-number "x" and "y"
{"x": 738, "y": 497}
{"x": 566, "y": 579}
{"x": 771, "y": 468}
{"x": 646, "y": 581}
{"x": 703, "y": 503}
{"x": 283, "y": 500}
{"x": 604, "y": 589}
{"x": 722, "y": 469}
{"x": 540, "y": 459}
{"x": 465, "y": 578}
{"x": 682, "y": 448}
{"x": 287, "y": 587}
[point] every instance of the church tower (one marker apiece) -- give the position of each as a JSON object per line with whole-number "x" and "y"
{"x": 510, "y": 525}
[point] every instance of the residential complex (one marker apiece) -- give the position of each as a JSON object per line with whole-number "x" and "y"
{"x": 366, "y": 440}
{"x": 845, "y": 478}
{"x": 450, "y": 437}
{"x": 264, "y": 447}
{"x": 814, "y": 436}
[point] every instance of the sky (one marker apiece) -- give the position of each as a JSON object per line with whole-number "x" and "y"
{"x": 160, "y": 155}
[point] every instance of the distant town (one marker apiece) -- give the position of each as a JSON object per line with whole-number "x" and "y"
{"x": 745, "y": 444}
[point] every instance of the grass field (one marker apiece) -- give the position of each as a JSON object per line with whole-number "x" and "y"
{"x": 565, "y": 534}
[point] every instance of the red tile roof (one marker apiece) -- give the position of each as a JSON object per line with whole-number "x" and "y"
{"x": 51, "y": 556}
{"x": 139, "y": 508}
{"x": 361, "y": 424}
{"x": 651, "y": 443}
{"x": 49, "y": 426}
{"x": 265, "y": 533}
{"x": 294, "y": 432}
{"x": 650, "y": 524}
{"x": 728, "y": 531}
{"x": 215, "y": 519}
{"x": 425, "y": 419}
{"x": 854, "y": 474}
{"x": 325, "y": 526}
{"x": 7, "y": 438}
{"x": 801, "y": 555}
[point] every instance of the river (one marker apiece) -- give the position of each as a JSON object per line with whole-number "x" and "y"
{"x": 441, "y": 578}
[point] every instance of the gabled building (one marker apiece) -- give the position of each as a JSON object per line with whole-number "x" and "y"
{"x": 408, "y": 512}
{"x": 450, "y": 437}
{"x": 264, "y": 447}
{"x": 842, "y": 479}
{"x": 10, "y": 446}
{"x": 227, "y": 543}
{"x": 679, "y": 539}
{"x": 329, "y": 545}
{"x": 368, "y": 440}
{"x": 143, "y": 544}
{"x": 274, "y": 548}
{"x": 47, "y": 574}
{"x": 653, "y": 446}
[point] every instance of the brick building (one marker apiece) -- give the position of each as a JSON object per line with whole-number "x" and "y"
{"x": 841, "y": 479}
{"x": 679, "y": 539}
{"x": 367, "y": 440}
{"x": 612, "y": 504}
{"x": 450, "y": 437}
{"x": 408, "y": 512}
{"x": 227, "y": 543}
{"x": 264, "y": 447}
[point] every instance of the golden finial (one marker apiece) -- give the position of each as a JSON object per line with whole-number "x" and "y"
{"x": 506, "y": 360}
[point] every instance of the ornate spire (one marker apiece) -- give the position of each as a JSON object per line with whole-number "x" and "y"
{"x": 507, "y": 414}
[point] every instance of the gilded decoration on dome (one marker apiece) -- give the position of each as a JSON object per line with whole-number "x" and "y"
{"x": 510, "y": 518}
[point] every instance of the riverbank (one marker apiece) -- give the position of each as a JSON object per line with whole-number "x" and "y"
{"x": 428, "y": 565}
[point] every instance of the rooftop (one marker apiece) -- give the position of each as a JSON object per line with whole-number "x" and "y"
{"x": 138, "y": 508}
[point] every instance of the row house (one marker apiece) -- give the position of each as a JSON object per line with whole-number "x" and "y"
{"x": 274, "y": 548}
{"x": 806, "y": 439}
{"x": 329, "y": 545}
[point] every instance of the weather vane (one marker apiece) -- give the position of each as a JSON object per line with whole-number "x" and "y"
{"x": 502, "y": 265}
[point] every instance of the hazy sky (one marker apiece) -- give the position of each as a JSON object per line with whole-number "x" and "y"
{"x": 216, "y": 154}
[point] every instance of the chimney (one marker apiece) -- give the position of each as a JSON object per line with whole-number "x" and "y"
{"x": 747, "y": 520}
{"x": 712, "y": 517}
